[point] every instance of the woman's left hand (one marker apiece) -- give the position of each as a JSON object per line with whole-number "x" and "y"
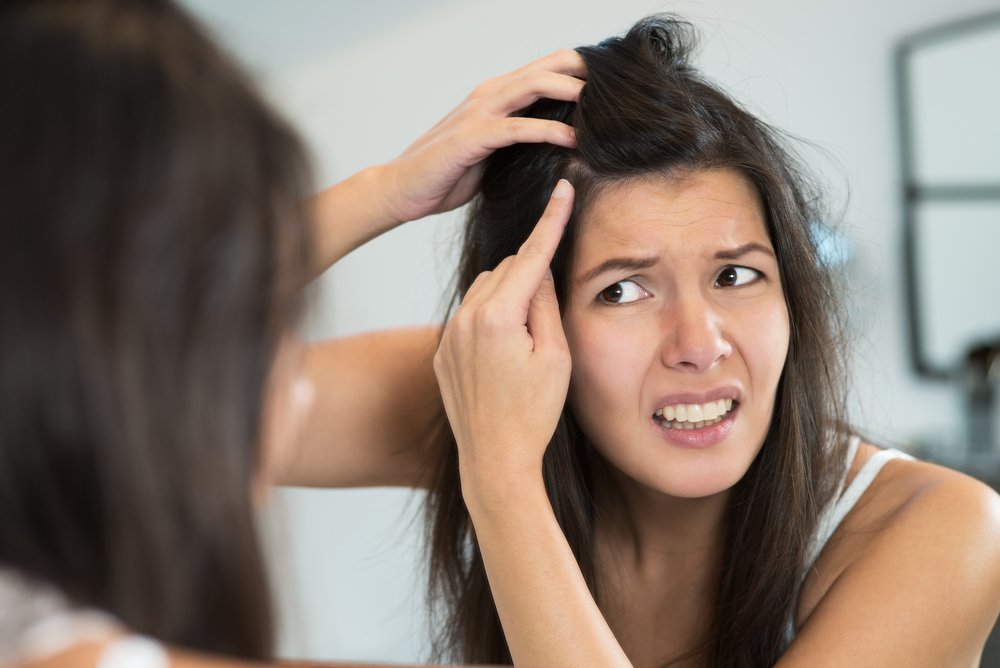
{"x": 441, "y": 170}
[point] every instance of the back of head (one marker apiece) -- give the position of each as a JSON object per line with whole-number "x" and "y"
{"x": 645, "y": 111}
{"x": 150, "y": 256}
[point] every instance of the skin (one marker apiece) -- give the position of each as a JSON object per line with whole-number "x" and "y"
{"x": 911, "y": 578}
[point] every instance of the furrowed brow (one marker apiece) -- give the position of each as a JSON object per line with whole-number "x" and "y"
{"x": 618, "y": 264}
{"x": 744, "y": 250}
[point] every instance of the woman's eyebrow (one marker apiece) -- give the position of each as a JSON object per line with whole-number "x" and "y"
{"x": 745, "y": 249}
{"x": 618, "y": 263}
{"x": 636, "y": 263}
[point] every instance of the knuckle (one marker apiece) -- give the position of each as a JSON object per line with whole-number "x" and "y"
{"x": 485, "y": 88}
{"x": 477, "y": 283}
{"x": 460, "y": 323}
{"x": 492, "y": 317}
{"x": 518, "y": 125}
{"x": 567, "y": 54}
{"x": 500, "y": 270}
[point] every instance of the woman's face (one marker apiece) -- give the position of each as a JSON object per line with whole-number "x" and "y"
{"x": 678, "y": 329}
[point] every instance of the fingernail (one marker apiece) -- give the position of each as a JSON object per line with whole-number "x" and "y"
{"x": 548, "y": 274}
{"x": 561, "y": 190}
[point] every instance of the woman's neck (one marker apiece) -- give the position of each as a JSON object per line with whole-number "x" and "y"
{"x": 658, "y": 560}
{"x": 653, "y": 530}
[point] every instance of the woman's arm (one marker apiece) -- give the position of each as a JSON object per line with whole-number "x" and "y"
{"x": 504, "y": 370}
{"x": 911, "y": 579}
{"x": 377, "y": 401}
{"x": 375, "y": 414}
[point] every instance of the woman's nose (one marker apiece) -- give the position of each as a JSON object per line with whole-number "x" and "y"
{"x": 693, "y": 335}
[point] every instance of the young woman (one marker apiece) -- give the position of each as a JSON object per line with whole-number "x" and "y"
{"x": 152, "y": 256}
{"x": 652, "y": 464}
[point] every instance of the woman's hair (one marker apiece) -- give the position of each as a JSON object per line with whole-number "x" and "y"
{"x": 646, "y": 111}
{"x": 151, "y": 253}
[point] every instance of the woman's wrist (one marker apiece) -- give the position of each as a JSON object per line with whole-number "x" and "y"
{"x": 350, "y": 213}
{"x": 498, "y": 490}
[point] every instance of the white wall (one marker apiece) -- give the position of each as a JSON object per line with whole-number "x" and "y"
{"x": 363, "y": 79}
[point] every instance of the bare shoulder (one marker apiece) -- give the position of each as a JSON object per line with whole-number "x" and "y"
{"x": 909, "y": 503}
{"x": 912, "y": 575}
{"x": 914, "y": 498}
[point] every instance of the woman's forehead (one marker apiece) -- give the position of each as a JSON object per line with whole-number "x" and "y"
{"x": 699, "y": 207}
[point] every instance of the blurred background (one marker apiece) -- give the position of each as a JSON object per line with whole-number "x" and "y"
{"x": 872, "y": 93}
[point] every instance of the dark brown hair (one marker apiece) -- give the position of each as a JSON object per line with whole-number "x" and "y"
{"x": 646, "y": 111}
{"x": 151, "y": 253}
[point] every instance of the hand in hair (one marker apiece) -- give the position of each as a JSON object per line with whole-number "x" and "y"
{"x": 441, "y": 170}
{"x": 503, "y": 364}
{"x": 503, "y": 367}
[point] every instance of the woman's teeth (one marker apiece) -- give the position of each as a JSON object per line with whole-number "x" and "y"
{"x": 693, "y": 416}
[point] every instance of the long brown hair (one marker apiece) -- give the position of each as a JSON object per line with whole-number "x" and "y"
{"x": 645, "y": 110}
{"x": 151, "y": 253}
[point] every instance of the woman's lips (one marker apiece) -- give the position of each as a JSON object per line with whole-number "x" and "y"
{"x": 698, "y": 433}
{"x": 693, "y": 416}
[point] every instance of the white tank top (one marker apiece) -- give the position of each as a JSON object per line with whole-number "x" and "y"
{"x": 840, "y": 506}
{"x": 38, "y": 622}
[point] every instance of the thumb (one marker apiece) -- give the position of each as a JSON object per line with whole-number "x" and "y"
{"x": 544, "y": 320}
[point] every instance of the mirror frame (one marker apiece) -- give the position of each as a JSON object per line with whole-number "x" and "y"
{"x": 913, "y": 191}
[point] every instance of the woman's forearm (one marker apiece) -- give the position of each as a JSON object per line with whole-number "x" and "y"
{"x": 548, "y": 613}
{"x": 349, "y": 214}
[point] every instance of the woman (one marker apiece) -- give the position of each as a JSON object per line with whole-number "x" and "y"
{"x": 153, "y": 252}
{"x": 651, "y": 446}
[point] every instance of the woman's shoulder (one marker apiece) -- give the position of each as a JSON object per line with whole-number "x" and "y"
{"x": 919, "y": 508}
{"x": 921, "y": 547}
{"x": 909, "y": 491}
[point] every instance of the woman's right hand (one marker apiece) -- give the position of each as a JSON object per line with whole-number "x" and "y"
{"x": 503, "y": 367}
{"x": 503, "y": 364}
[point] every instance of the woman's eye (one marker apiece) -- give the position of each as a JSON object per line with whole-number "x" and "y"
{"x": 734, "y": 276}
{"x": 622, "y": 292}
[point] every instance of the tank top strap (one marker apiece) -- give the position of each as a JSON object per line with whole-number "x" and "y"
{"x": 838, "y": 508}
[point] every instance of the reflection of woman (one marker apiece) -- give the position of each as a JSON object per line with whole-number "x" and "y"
{"x": 151, "y": 258}
{"x": 699, "y": 499}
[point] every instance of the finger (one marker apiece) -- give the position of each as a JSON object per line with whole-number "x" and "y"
{"x": 528, "y": 268}
{"x": 563, "y": 61}
{"x": 544, "y": 321}
{"x": 520, "y": 92}
{"x": 482, "y": 287}
{"x": 521, "y": 130}
{"x": 485, "y": 284}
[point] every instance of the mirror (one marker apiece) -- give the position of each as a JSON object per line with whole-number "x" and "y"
{"x": 949, "y": 103}
{"x": 362, "y": 80}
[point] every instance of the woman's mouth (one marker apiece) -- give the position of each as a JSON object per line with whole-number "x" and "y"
{"x": 694, "y": 416}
